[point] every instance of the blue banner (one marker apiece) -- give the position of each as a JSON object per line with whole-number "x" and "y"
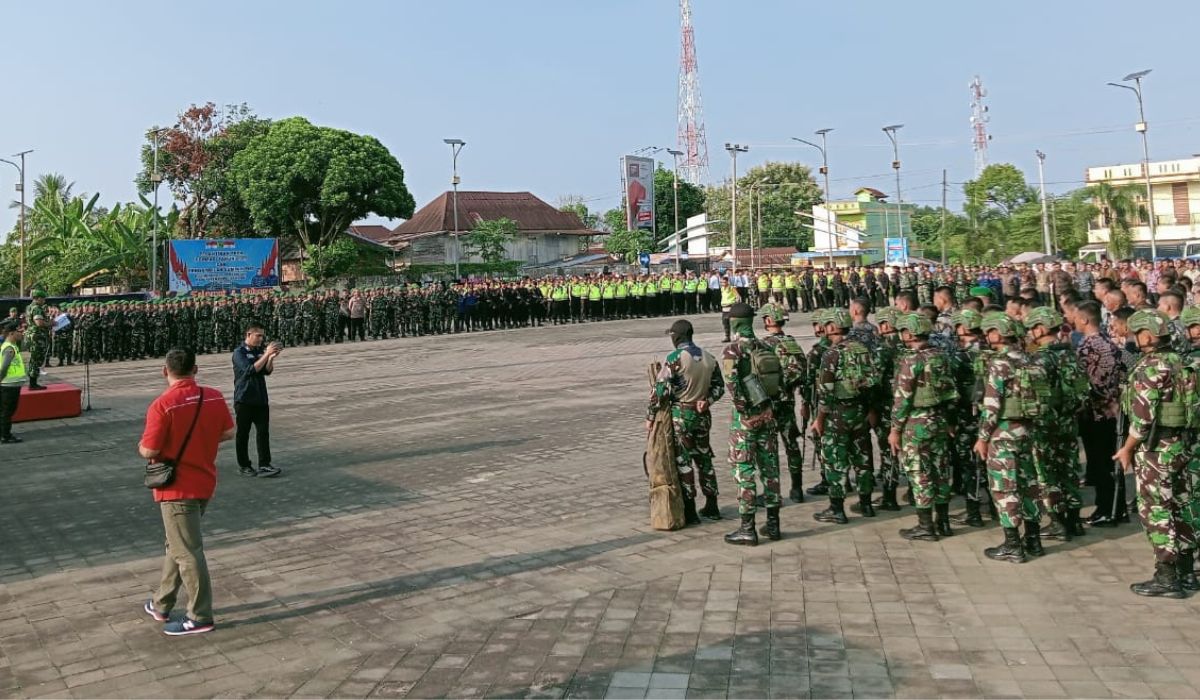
{"x": 895, "y": 251}
{"x": 222, "y": 263}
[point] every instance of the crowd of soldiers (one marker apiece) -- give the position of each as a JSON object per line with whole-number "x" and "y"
{"x": 983, "y": 397}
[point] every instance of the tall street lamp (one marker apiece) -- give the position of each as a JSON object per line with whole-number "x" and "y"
{"x": 825, "y": 173}
{"x": 675, "y": 186}
{"x": 891, "y": 130}
{"x": 734, "y": 149}
{"x": 1045, "y": 217}
{"x": 21, "y": 188}
{"x": 455, "y": 145}
{"x": 1140, "y": 127}
{"x": 155, "y": 180}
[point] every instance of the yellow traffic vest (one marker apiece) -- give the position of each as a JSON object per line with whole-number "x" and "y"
{"x": 729, "y": 296}
{"x": 16, "y": 369}
{"x": 764, "y": 283}
{"x": 777, "y": 282}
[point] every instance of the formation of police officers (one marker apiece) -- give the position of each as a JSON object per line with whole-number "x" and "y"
{"x": 969, "y": 398}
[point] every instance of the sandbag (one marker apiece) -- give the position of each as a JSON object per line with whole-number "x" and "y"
{"x": 666, "y": 496}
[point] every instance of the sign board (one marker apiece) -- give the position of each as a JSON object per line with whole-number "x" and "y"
{"x": 638, "y": 173}
{"x": 221, "y": 264}
{"x": 644, "y": 258}
{"x": 895, "y": 251}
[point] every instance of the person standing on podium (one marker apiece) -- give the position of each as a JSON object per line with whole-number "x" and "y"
{"x": 12, "y": 378}
{"x": 37, "y": 337}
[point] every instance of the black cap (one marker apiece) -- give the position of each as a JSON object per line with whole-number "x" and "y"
{"x": 9, "y": 326}
{"x": 741, "y": 310}
{"x": 680, "y": 328}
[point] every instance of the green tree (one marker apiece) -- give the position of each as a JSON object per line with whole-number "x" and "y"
{"x": 1000, "y": 185}
{"x": 691, "y": 202}
{"x": 770, "y": 193}
{"x": 340, "y": 258}
{"x": 1117, "y": 209}
{"x": 488, "y": 238}
{"x": 310, "y": 183}
{"x": 621, "y": 241}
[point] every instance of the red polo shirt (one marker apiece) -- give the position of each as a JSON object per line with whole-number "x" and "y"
{"x": 167, "y": 422}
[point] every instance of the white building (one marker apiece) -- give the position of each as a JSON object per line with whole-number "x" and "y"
{"x": 1175, "y": 185}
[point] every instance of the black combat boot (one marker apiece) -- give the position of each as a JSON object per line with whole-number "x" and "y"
{"x": 796, "y": 494}
{"x": 835, "y": 513}
{"x": 690, "y": 517}
{"x": 1059, "y": 529}
{"x": 1033, "y": 538}
{"x": 1010, "y": 550}
{"x": 971, "y": 518}
{"x": 888, "y": 500}
{"x": 745, "y": 534}
{"x": 1165, "y": 583}
{"x": 1186, "y": 564}
{"x": 710, "y": 509}
{"x": 1075, "y": 523}
{"x": 821, "y": 489}
{"x": 865, "y": 506}
{"x": 942, "y": 521}
{"x": 923, "y": 531}
{"x": 771, "y": 529}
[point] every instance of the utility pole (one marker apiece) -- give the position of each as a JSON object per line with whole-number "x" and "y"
{"x": 734, "y": 149}
{"x": 1141, "y": 127}
{"x": 891, "y": 133}
{"x": 825, "y": 172}
{"x": 155, "y": 180}
{"x": 456, "y": 145}
{"x": 21, "y": 226}
{"x": 942, "y": 235}
{"x": 1041, "y": 157}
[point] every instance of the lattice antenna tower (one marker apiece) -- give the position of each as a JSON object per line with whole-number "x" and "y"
{"x": 979, "y": 122}
{"x": 692, "y": 142}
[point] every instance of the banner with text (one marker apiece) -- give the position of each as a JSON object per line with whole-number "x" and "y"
{"x": 639, "y": 192}
{"x": 208, "y": 265}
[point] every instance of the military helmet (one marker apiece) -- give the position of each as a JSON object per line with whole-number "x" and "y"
{"x": 839, "y": 318}
{"x": 1150, "y": 320}
{"x": 774, "y": 312}
{"x": 915, "y": 323}
{"x": 1043, "y": 316}
{"x": 886, "y": 315}
{"x": 969, "y": 318}
{"x": 818, "y": 317}
{"x": 37, "y": 294}
{"x": 741, "y": 310}
{"x": 1190, "y": 316}
{"x": 1003, "y": 323}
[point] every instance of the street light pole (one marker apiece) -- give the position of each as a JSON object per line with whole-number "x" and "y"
{"x": 825, "y": 172}
{"x": 1041, "y": 157}
{"x": 675, "y": 186}
{"x": 1140, "y": 127}
{"x": 891, "y": 133}
{"x": 734, "y": 149}
{"x": 155, "y": 179}
{"x": 21, "y": 226}
{"x": 456, "y": 145}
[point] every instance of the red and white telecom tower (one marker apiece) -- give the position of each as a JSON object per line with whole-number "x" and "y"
{"x": 979, "y": 122}
{"x": 691, "y": 119}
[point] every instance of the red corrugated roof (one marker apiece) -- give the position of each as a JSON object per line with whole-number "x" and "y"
{"x": 374, "y": 232}
{"x": 531, "y": 214}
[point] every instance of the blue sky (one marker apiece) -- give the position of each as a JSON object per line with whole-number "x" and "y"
{"x": 549, "y": 93}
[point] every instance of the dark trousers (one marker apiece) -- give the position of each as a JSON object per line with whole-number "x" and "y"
{"x": 259, "y": 417}
{"x": 10, "y": 396}
{"x": 1099, "y": 444}
{"x": 358, "y": 328}
{"x": 343, "y": 326}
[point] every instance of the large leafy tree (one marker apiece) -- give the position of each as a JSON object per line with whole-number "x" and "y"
{"x": 310, "y": 182}
{"x": 194, "y": 157}
{"x": 488, "y": 238}
{"x": 691, "y": 202}
{"x": 621, "y": 241}
{"x": 771, "y": 194}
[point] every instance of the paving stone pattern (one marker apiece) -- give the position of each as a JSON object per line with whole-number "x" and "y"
{"x": 466, "y": 517}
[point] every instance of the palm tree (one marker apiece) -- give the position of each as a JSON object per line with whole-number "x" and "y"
{"x": 1117, "y": 207}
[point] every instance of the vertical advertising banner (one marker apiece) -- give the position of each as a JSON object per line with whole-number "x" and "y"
{"x": 222, "y": 264}
{"x": 895, "y": 251}
{"x": 639, "y": 192}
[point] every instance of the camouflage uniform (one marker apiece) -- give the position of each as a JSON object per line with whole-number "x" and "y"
{"x": 923, "y": 429}
{"x": 845, "y": 442}
{"x": 752, "y": 432}
{"x": 796, "y": 379}
{"x": 37, "y": 340}
{"x": 673, "y": 389}
{"x": 969, "y": 374}
{"x": 887, "y": 352}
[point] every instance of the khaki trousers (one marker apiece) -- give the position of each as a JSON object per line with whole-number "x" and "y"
{"x": 184, "y": 563}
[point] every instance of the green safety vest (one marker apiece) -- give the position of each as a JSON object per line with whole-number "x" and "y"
{"x": 609, "y": 291}
{"x": 777, "y": 282}
{"x": 559, "y": 294}
{"x": 677, "y": 287}
{"x": 651, "y": 289}
{"x": 579, "y": 291}
{"x": 690, "y": 286}
{"x": 16, "y": 369}
{"x": 789, "y": 282}
{"x": 764, "y": 283}
{"x": 729, "y": 296}
{"x": 622, "y": 290}
{"x": 594, "y": 292}
{"x": 637, "y": 289}
{"x": 664, "y": 285}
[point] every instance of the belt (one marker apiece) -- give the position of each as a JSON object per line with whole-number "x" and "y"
{"x": 686, "y": 404}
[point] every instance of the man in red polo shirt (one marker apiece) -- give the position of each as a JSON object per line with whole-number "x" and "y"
{"x": 183, "y": 501}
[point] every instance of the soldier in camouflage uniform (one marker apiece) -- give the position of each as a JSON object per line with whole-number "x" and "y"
{"x": 923, "y": 396}
{"x": 796, "y": 377}
{"x": 1156, "y": 451}
{"x": 846, "y": 384}
{"x": 887, "y": 351}
{"x": 64, "y": 338}
{"x": 1056, "y": 439}
{"x": 969, "y": 376}
{"x": 37, "y": 338}
{"x": 377, "y": 315}
{"x": 813, "y": 364}
{"x": 1003, "y": 439}
{"x": 1190, "y": 320}
{"x": 687, "y": 384}
{"x": 752, "y": 432}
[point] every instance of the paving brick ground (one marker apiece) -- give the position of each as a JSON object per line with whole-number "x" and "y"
{"x": 466, "y": 517}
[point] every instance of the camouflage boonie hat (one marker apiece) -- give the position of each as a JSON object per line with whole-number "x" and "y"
{"x": 969, "y": 318}
{"x": 839, "y": 318}
{"x": 917, "y": 324}
{"x": 818, "y": 317}
{"x": 886, "y": 315}
{"x": 1190, "y": 316}
{"x": 1150, "y": 320}
{"x": 1043, "y": 316}
{"x": 1000, "y": 321}
{"x": 773, "y": 312}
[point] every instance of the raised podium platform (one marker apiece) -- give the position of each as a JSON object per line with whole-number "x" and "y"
{"x": 57, "y": 400}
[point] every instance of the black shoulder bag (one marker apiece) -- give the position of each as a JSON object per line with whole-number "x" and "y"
{"x": 161, "y": 472}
